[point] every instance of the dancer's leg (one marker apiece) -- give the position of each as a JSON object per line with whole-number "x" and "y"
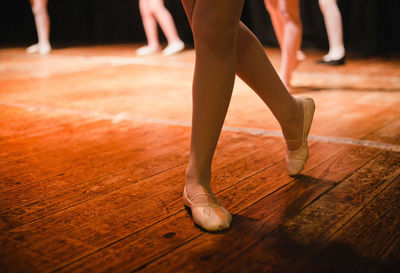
{"x": 254, "y": 68}
{"x": 334, "y": 28}
{"x": 165, "y": 20}
{"x": 42, "y": 22}
{"x": 149, "y": 24}
{"x": 273, "y": 8}
{"x": 216, "y": 30}
{"x": 289, "y": 29}
{"x": 215, "y": 26}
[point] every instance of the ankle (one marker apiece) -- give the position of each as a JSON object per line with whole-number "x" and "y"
{"x": 44, "y": 44}
{"x": 196, "y": 177}
{"x": 153, "y": 46}
{"x": 292, "y": 124}
{"x": 292, "y": 114}
{"x": 197, "y": 181}
{"x": 335, "y": 53}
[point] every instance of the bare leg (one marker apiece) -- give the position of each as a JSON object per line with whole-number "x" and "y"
{"x": 225, "y": 46}
{"x": 150, "y": 28}
{"x": 215, "y": 27}
{"x": 42, "y": 21}
{"x": 334, "y": 28}
{"x": 285, "y": 16}
{"x": 165, "y": 20}
{"x": 212, "y": 93}
{"x": 254, "y": 68}
{"x": 278, "y": 24}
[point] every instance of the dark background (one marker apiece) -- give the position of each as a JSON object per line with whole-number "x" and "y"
{"x": 371, "y": 27}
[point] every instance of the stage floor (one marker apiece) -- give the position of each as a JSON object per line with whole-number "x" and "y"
{"x": 94, "y": 143}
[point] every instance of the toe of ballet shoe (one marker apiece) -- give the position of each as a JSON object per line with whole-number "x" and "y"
{"x": 32, "y": 49}
{"x": 38, "y": 48}
{"x": 210, "y": 215}
{"x": 212, "y": 218}
{"x": 44, "y": 50}
{"x": 173, "y": 49}
{"x": 146, "y": 50}
{"x": 296, "y": 164}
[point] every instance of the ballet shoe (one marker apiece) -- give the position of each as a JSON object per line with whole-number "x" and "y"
{"x": 300, "y": 56}
{"x": 210, "y": 214}
{"x": 297, "y": 158}
{"x": 340, "y": 61}
{"x": 173, "y": 48}
{"x": 37, "y": 48}
{"x": 147, "y": 50}
{"x": 32, "y": 49}
{"x": 44, "y": 50}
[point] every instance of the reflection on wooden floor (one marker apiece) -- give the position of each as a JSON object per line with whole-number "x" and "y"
{"x": 94, "y": 143}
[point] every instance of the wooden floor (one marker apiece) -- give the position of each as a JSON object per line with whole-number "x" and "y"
{"x": 94, "y": 144}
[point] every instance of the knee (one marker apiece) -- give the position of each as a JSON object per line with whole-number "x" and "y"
{"x": 290, "y": 14}
{"x": 144, "y": 8}
{"x": 156, "y": 6}
{"x": 38, "y": 7}
{"x": 214, "y": 33}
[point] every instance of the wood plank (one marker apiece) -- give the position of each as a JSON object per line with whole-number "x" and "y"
{"x": 48, "y": 165}
{"x": 132, "y": 260}
{"x": 287, "y": 248}
{"x": 116, "y": 206}
{"x": 320, "y": 220}
{"x": 23, "y": 123}
{"x": 98, "y": 136}
{"x": 129, "y": 209}
{"x": 392, "y": 254}
{"x": 149, "y": 166}
{"x": 135, "y": 97}
{"x": 33, "y": 208}
{"x": 353, "y": 106}
{"x": 36, "y": 200}
{"x": 210, "y": 251}
{"x": 10, "y": 265}
{"x": 388, "y": 133}
{"x": 360, "y": 244}
{"x": 86, "y": 133}
{"x": 339, "y": 113}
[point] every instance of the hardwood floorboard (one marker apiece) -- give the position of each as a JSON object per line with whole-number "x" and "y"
{"x": 206, "y": 253}
{"x": 288, "y": 247}
{"x": 259, "y": 158}
{"x": 46, "y": 194}
{"x": 140, "y": 145}
{"x": 75, "y": 136}
{"x": 128, "y": 203}
{"x": 392, "y": 253}
{"x": 25, "y": 124}
{"x": 360, "y": 244}
{"x": 49, "y": 165}
{"x": 388, "y": 133}
{"x": 94, "y": 143}
{"x": 111, "y": 139}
